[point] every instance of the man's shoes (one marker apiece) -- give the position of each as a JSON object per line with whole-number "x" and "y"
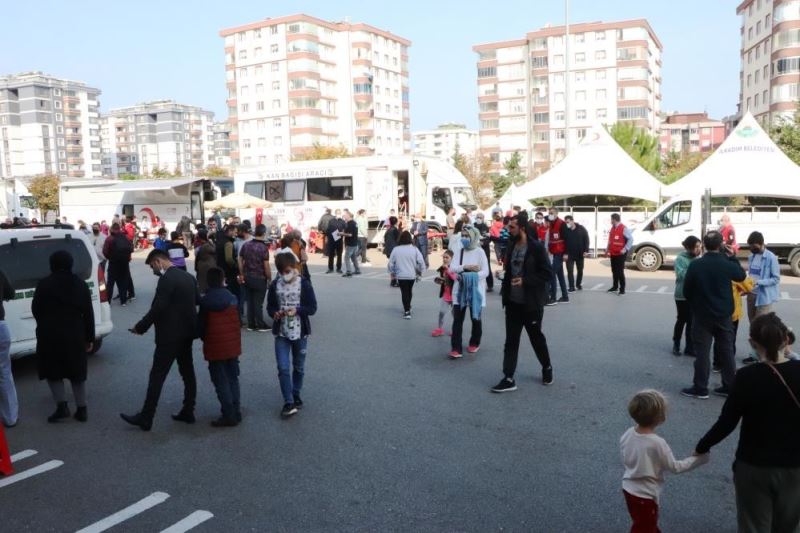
{"x": 716, "y": 369}
{"x": 473, "y": 349}
{"x": 551, "y": 302}
{"x": 676, "y": 348}
{"x": 505, "y": 385}
{"x": 580, "y": 287}
{"x": 571, "y": 289}
{"x": 81, "y": 414}
{"x": 61, "y": 412}
{"x": 357, "y": 273}
{"x": 338, "y": 270}
{"x": 250, "y": 328}
{"x": 489, "y": 289}
{"x": 347, "y": 275}
{"x": 688, "y": 352}
{"x": 223, "y": 422}
{"x": 749, "y": 360}
{"x": 547, "y": 375}
{"x": 438, "y": 332}
{"x": 621, "y": 292}
{"x": 288, "y": 410}
{"x": 721, "y": 391}
{"x": 612, "y": 289}
{"x": 297, "y": 401}
{"x": 329, "y": 271}
{"x": 694, "y": 392}
{"x": 407, "y": 315}
{"x": 263, "y": 328}
{"x": 137, "y": 420}
{"x": 563, "y": 300}
{"x": 454, "y": 355}
{"x": 184, "y": 416}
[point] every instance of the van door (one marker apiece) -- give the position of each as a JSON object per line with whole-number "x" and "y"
{"x": 671, "y": 226}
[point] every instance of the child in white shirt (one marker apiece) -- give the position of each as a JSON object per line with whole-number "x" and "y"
{"x": 646, "y": 456}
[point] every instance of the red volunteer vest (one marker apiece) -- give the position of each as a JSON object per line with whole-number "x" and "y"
{"x": 223, "y": 337}
{"x": 557, "y": 244}
{"x": 616, "y": 240}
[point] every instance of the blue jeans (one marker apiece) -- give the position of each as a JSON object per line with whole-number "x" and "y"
{"x": 225, "y": 377}
{"x": 558, "y": 273}
{"x": 290, "y": 384}
{"x": 9, "y": 408}
{"x": 351, "y": 259}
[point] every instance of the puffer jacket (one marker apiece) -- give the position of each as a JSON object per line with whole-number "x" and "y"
{"x": 219, "y": 325}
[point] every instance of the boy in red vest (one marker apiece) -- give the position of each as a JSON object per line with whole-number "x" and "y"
{"x": 222, "y": 345}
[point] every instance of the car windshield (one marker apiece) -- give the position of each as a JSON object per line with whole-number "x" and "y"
{"x": 27, "y": 262}
{"x": 465, "y": 197}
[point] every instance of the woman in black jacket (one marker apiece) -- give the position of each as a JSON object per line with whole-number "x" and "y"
{"x": 766, "y": 472}
{"x": 62, "y": 307}
{"x": 390, "y": 238}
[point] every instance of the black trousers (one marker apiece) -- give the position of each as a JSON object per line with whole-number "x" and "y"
{"x": 456, "y": 342}
{"x": 684, "y": 318}
{"x": 335, "y": 248}
{"x": 516, "y": 319}
{"x": 572, "y": 262}
{"x": 119, "y": 274}
{"x": 490, "y": 277}
{"x": 406, "y": 290}
{"x": 706, "y": 330}
{"x": 717, "y": 346}
{"x": 163, "y": 358}
{"x": 254, "y": 290}
{"x": 618, "y": 272}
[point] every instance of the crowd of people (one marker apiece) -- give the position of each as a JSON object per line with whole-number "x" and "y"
{"x": 234, "y": 286}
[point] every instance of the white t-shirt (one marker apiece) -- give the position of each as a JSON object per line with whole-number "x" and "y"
{"x": 646, "y": 457}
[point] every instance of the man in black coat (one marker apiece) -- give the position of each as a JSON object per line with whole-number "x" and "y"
{"x": 577, "y": 241}
{"x": 174, "y": 314}
{"x": 335, "y": 246}
{"x": 524, "y": 293}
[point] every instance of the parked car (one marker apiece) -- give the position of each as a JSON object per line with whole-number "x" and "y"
{"x": 24, "y": 259}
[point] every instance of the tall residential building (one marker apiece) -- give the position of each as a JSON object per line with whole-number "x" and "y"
{"x": 222, "y": 145}
{"x": 162, "y": 135}
{"x": 442, "y": 141}
{"x": 297, "y": 81}
{"x": 690, "y": 133}
{"x": 615, "y": 75}
{"x": 48, "y": 126}
{"x": 770, "y": 71}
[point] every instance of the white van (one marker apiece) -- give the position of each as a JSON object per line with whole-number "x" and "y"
{"x": 25, "y": 259}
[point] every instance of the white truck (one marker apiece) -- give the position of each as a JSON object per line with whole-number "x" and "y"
{"x": 300, "y": 191}
{"x": 165, "y": 200}
{"x": 657, "y": 240}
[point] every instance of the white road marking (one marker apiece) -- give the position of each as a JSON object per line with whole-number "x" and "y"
{"x": 25, "y": 474}
{"x": 785, "y": 296}
{"x": 126, "y": 513}
{"x": 597, "y": 287}
{"x": 643, "y": 288}
{"x": 662, "y": 290}
{"x": 24, "y": 454}
{"x": 190, "y": 522}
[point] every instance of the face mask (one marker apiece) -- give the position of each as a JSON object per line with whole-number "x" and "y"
{"x": 465, "y": 242}
{"x": 96, "y": 231}
{"x": 540, "y": 221}
{"x": 288, "y": 277}
{"x": 551, "y": 217}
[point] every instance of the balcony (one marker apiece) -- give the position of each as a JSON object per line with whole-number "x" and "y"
{"x": 72, "y": 100}
{"x": 74, "y": 148}
{"x": 75, "y": 160}
{"x": 72, "y": 124}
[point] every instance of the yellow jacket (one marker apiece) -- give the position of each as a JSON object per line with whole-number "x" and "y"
{"x": 741, "y": 288}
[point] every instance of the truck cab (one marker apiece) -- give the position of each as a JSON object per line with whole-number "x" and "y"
{"x": 658, "y": 239}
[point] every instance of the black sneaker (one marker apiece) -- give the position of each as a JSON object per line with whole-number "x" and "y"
{"x": 676, "y": 348}
{"x": 298, "y": 402}
{"x": 223, "y": 422}
{"x": 407, "y": 315}
{"x": 694, "y": 392}
{"x": 551, "y": 303}
{"x": 547, "y": 375}
{"x": 329, "y": 271}
{"x": 288, "y": 410}
{"x": 716, "y": 369}
{"x": 347, "y": 275}
{"x": 621, "y": 292}
{"x": 184, "y": 416}
{"x": 580, "y": 288}
{"x": 563, "y": 300}
{"x": 572, "y": 289}
{"x": 505, "y": 385}
{"x": 721, "y": 391}
{"x": 749, "y": 360}
{"x": 612, "y": 289}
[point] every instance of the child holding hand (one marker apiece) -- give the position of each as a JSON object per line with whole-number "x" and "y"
{"x": 445, "y": 281}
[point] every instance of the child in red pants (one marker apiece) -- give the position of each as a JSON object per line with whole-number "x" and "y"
{"x": 646, "y": 456}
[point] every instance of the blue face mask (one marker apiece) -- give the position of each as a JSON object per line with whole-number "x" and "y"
{"x": 465, "y": 242}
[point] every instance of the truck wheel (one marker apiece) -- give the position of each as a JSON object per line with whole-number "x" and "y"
{"x": 648, "y": 259}
{"x": 98, "y": 343}
{"x": 795, "y": 264}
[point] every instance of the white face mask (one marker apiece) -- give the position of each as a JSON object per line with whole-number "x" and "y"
{"x": 288, "y": 277}
{"x": 551, "y": 217}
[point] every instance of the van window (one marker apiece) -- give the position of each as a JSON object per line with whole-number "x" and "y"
{"x": 286, "y": 191}
{"x": 677, "y": 214}
{"x": 442, "y": 199}
{"x": 323, "y": 189}
{"x": 26, "y": 262}
{"x": 255, "y": 188}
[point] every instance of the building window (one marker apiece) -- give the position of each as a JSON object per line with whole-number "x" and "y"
{"x": 580, "y": 96}
{"x": 59, "y": 129}
{"x": 749, "y": 57}
{"x": 600, "y": 94}
{"x": 758, "y": 75}
{"x": 57, "y": 104}
{"x": 765, "y": 97}
{"x": 276, "y": 104}
{"x": 62, "y": 166}
{"x": 245, "y": 108}
{"x": 260, "y": 105}
{"x": 789, "y": 64}
{"x": 59, "y": 117}
{"x": 259, "y": 88}
{"x": 558, "y": 116}
{"x": 600, "y": 54}
{"x": 758, "y": 28}
{"x": 542, "y": 136}
{"x": 487, "y": 72}
{"x": 631, "y": 113}
{"x": 580, "y": 114}
{"x": 242, "y": 54}
{"x": 273, "y": 67}
{"x": 273, "y": 49}
{"x": 276, "y": 86}
{"x": 580, "y": 37}
{"x": 766, "y": 72}
{"x": 277, "y": 141}
{"x": 580, "y": 77}
{"x": 242, "y": 72}
{"x": 245, "y": 143}
{"x": 580, "y": 57}
{"x": 276, "y": 122}
{"x": 258, "y": 51}
{"x": 600, "y": 74}
{"x": 244, "y": 90}
{"x": 273, "y": 30}
{"x": 539, "y": 62}
{"x": 602, "y": 113}
{"x": 749, "y": 100}
{"x": 561, "y": 135}
{"x": 750, "y": 33}
{"x": 749, "y": 79}
{"x": 756, "y": 100}
{"x": 599, "y": 36}
{"x": 581, "y": 133}
{"x": 758, "y": 52}
{"x": 541, "y": 118}
{"x": 56, "y": 92}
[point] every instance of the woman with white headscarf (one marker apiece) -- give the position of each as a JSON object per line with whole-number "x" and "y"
{"x": 469, "y": 290}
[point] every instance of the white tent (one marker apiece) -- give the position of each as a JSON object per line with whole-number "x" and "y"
{"x": 597, "y": 166}
{"x": 237, "y": 200}
{"x": 748, "y": 163}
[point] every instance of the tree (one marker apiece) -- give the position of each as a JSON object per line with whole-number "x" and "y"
{"x": 128, "y": 177}
{"x": 459, "y": 159}
{"x": 477, "y": 170}
{"x": 500, "y": 184}
{"x": 677, "y": 165}
{"x": 319, "y": 151}
{"x": 44, "y": 190}
{"x": 786, "y": 134}
{"x": 177, "y": 172}
{"x": 514, "y": 171}
{"x": 160, "y": 174}
{"x": 641, "y": 146}
{"x": 214, "y": 171}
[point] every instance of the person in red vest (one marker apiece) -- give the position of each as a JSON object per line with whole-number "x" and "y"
{"x": 620, "y": 242}
{"x": 222, "y": 345}
{"x": 541, "y": 227}
{"x": 728, "y": 233}
{"x": 557, "y": 247}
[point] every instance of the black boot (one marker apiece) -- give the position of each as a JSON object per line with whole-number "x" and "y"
{"x": 81, "y": 414}
{"x": 62, "y": 411}
{"x": 138, "y": 420}
{"x": 184, "y": 416}
{"x": 676, "y": 347}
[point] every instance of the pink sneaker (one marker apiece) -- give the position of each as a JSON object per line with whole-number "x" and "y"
{"x": 455, "y": 355}
{"x": 473, "y": 349}
{"x": 438, "y": 332}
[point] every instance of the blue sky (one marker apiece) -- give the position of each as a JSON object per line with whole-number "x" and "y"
{"x": 144, "y": 50}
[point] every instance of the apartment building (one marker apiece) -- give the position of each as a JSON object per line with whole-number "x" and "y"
{"x": 48, "y": 125}
{"x": 687, "y": 133}
{"x": 162, "y": 134}
{"x": 770, "y": 53}
{"x": 614, "y": 75}
{"x": 222, "y": 145}
{"x": 442, "y": 141}
{"x": 297, "y": 81}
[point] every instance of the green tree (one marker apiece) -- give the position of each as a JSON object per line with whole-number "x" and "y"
{"x": 177, "y": 172}
{"x": 320, "y": 151}
{"x": 459, "y": 159}
{"x": 129, "y": 177}
{"x": 159, "y": 174}
{"x": 677, "y": 165}
{"x": 477, "y": 170}
{"x": 214, "y": 171}
{"x": 500, "y": 184}
{"x": 786, "y": 134}
{"x": 44, "y": 190}
{"x": 514, "y": 170}
{"x": 641, "y": 146}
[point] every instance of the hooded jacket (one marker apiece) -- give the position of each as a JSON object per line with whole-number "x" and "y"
{"x": 219, "y": 325}
{"x": 472, "y": 254}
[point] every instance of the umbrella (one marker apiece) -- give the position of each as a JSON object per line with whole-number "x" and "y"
{"x": 237, "y": 200}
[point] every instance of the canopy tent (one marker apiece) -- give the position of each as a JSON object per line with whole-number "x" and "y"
{"x": 238, "y": 200}
{"x": 748, "y": 163}
{"x": 597, "y": 167}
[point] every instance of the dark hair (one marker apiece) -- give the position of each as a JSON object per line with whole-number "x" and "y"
{"x": 261, "y": 230}
{"x": 458, "y": 226}
{"x": 790, "y": 338}
{"x": 243, "y": 228}
{"x": 115, "y": 226}
{"x": 154, "y": 255}
{"x": 712, "y": 241}
{"x": 449, "y": 253}
{"x": 174, "y": 235}
{"x": 615, "y": 217}
{"x": 690, "y": 242}
{"x": 162, "y": 231}
{"x": 202, "y": 234}
{"x": 755, "y": 238}
{"x": 287, "y": 240}
{"x": 769, "y": 332}
{"x": 393, "y": 221}
{"x": 284, "y": 260}
{"x": 569, "y": 217}
{"x": 61, "y": 261}
{"x": 215, "y": 277}
{"x": 405, "y": 238}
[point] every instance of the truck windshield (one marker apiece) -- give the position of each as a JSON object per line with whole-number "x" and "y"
{"x": 677, "y": 214}
{"x": 465, "y": 197}
{"x": 442, "y": 199}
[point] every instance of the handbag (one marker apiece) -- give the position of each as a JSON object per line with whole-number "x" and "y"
{"x": 788, "y": 389}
